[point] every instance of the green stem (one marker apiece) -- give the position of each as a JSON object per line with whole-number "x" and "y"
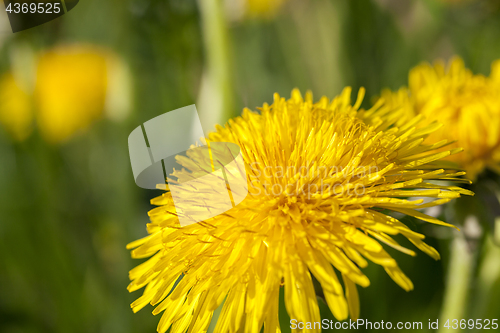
{"x": 461, "y": 266}
{"x": 488, "y": 275}
{"x": 216, "y": 103}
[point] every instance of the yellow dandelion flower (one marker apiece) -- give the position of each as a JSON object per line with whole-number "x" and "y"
{"x": 467, "y": 105}
{"x": 323, "y": 177}
{"x": 16, "y": 112}
{"x": 70, "y": 90}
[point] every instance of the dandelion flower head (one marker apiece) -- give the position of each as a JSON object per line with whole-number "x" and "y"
{"x": 467, "y": 105}
{"x": 326, "y": 220}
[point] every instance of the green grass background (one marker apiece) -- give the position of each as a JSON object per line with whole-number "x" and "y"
{"x": 67, "y": 212}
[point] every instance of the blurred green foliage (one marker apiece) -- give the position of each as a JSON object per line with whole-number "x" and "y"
{"x": 67, "y": 211}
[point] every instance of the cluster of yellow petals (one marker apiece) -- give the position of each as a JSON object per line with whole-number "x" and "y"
{"x": 467, "y": 105}
{"x": 242, "y": 258}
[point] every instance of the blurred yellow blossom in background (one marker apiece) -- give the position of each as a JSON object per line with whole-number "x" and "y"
{"x": 74, "y": 86}
{"x": 467, "y": 105}
{"x": 16, "y": 112}
{"x": 264, "y": 8}
{"x": 70, "y": 90}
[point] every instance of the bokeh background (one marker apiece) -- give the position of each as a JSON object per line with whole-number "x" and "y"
{"x": 73, "y": 89}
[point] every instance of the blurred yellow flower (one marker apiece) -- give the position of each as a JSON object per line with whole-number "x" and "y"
{"x": 74, "y": 85}
{"x": 495, "y": 71}
{"x": 264, "y": 8}
{"x": 467, "y": 105}
{"x": 322, "y": 178}
{"x": 70, "y": 90}
{"x": 16, "y": 109}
